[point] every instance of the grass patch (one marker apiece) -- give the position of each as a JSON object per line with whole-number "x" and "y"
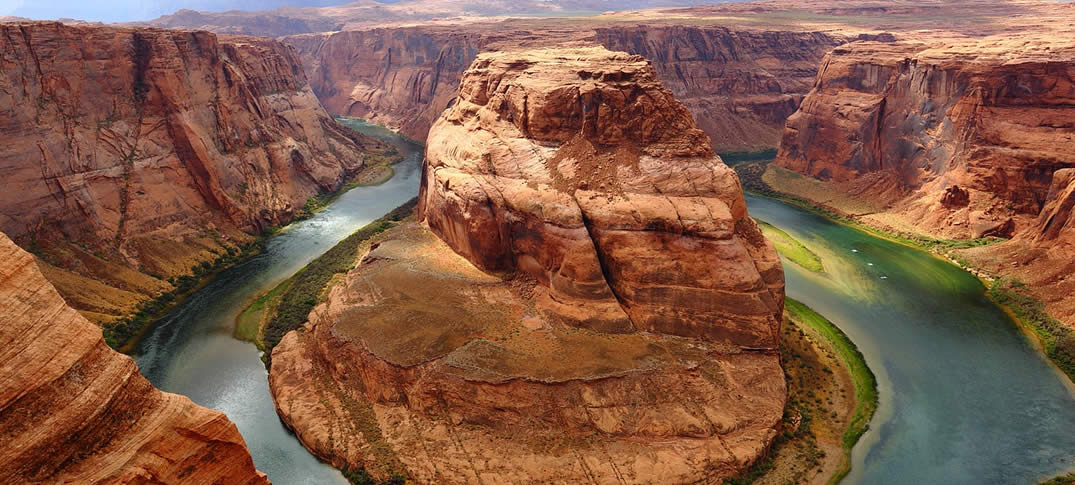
{"x": 791, "y": 248}
{"x": 865, "y": 382}
{"x": 362, "y": 477}
{"x": 300, "y": 293}
{"x": 1057, "y": 339}
{"x": 1068, "y": 479}
{"x": 248, "y": 323}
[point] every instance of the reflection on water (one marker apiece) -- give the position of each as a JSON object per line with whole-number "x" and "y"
{"x": 192, "y": 352}
{"x": 965, "y": 398}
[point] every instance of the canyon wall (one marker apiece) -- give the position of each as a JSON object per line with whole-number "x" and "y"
{"x": 400, "y": 77}
{"x": 587, "y": 300}
{"x": 957, "y": 141}
{"x": 960, "y": 139}
{"x": 74, "y": 411}
{"x": 132, "y": 155}
{"x": 740, "y": 85}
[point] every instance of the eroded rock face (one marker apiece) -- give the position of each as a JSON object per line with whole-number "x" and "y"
{"x": 959, "y": 140}
{"x": 401, "y": 77}
{"x": 74, "y": 411}
{"x": 151, "y": 149}
{"x": 587, "y": 174}
{"x": 1042, "y": 255}
{"x": 740, "y": 85}
{"x": 588, "y": 299}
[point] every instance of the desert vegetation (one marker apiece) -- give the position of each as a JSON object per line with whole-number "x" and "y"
{"x": 286, "y": 306}
{"x": 832, "y": 396}
{"x": 1057, "y": 339}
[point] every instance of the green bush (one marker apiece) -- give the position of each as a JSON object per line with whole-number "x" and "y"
{"x": 1061, "y": 480}
{"x": 362, "y": 477}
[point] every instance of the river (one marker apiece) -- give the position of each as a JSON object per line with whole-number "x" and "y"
{"x": 964, "y": 395}
{"x": 192, "y": 351}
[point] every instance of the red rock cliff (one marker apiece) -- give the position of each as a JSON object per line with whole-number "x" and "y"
{"x": 960, "y": 140}
{"x": 74, "y": 411}
{"x": 739, "y": 85}
{"x": 953, "y": 138}
{"x": 1042, "y": 255}
{"x": 589, "y": 302}
{"x": 588, "y": 175}
{"x": 150, "y": 149}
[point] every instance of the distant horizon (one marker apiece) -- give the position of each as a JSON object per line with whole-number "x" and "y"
{"x": 116, "y": 11}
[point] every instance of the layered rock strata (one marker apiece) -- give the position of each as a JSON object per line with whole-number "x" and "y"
{"x": 955, "y": 139}
{"x": 132, "y": 155}
{"x": 588, "y": 299}
{"x": 958, "y": 140}
{"x": 74, "y": 411}
{"x": 1042, "y": 255}
{"x": 739, "y": 85}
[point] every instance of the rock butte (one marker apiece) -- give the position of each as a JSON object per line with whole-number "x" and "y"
{"x": 74, "y": 411}
{"x": 589, "y": 301}
{"x": 131, "y": 155}
{"x": 961, "y": 139}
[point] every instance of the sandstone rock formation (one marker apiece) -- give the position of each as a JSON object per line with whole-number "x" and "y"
{"x": 740, "y": 85}
{"x": 131, "y": 155}
{"x": 741, "y": 68}
{"x": 1042, "y": 255}
{"x": 589, "y": 301}
{"x": 959, "y": 139}
{"x": 585, "y": 173}
{"x": 954, "y": 138}
{"x": 74, "y": 411}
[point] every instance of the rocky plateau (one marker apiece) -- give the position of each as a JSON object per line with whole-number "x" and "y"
{"x": 739, "y": 85}
{"x": 582, "y": 297}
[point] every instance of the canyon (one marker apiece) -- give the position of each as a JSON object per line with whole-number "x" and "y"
{"x": 959, "y": 139}
{"x": 581, "y": 295}
{"x": 739, "y": 85}
{"x": 741, "y": 68}
{"x": 570, "y": 207}
{"x": 132, "y": 156}
{"x": 81, "y": 413}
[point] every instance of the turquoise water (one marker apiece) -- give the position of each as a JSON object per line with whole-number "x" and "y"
{"x": 192, "y": 350}
{"x": 964, "y": 395}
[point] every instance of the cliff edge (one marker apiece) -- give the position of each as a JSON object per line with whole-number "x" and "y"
{"x": 73, "y": 410}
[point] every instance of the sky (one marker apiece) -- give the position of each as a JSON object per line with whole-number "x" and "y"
{"x": 133, "y": 10}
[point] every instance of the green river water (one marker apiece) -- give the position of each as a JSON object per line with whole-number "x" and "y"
{"x": 964, "y": 395}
